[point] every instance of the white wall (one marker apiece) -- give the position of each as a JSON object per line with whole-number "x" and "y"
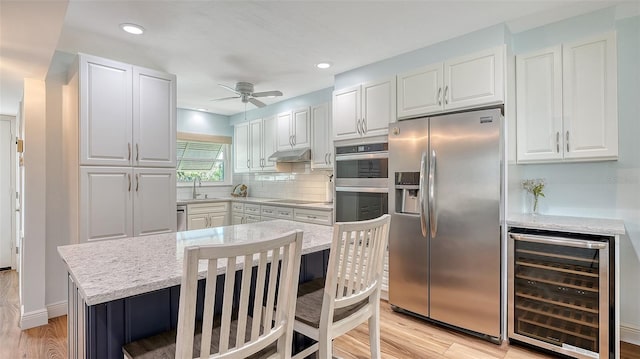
{"x": 203, "y": 122}
{"x": 32, "y": 278}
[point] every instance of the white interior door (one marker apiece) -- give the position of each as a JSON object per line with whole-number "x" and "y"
{"x": 6, "y": 193}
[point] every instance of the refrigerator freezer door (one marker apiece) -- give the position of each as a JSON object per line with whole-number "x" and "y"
{"x": 465, "y": 248}
{"x": 408, "y": 248}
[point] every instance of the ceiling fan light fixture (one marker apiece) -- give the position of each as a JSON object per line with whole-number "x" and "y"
{"x": 323, "y": 65}
{"x": 132, "y": 28}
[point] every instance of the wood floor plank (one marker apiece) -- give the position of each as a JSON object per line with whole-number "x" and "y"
{"x": 402, "y": 337}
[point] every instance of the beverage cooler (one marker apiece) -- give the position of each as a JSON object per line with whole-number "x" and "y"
{"x": 561, "y": 292}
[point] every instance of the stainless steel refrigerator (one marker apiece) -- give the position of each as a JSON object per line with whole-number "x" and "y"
{"x": 445, "y": 196}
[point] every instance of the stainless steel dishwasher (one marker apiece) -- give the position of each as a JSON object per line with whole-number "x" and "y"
{"x": 182, "y": 218}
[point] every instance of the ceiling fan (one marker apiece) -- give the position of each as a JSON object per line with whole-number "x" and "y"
{"x": 245, "y": 93}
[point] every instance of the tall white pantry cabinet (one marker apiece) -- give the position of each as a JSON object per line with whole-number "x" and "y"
{"x": 120, "y": 138}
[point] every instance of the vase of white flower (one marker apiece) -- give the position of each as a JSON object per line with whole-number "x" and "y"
{"x": 535, "y": 187}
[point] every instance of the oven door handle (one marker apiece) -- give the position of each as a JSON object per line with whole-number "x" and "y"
{"x": 568, "y": 242}
{"x": 363, "y": 189}
{"x": 368, "y": 156}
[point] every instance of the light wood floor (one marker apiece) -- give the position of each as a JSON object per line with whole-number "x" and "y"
{"x": 402, "y": 336}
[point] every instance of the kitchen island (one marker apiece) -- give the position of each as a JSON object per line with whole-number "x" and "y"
{"x": 126, "y": 289}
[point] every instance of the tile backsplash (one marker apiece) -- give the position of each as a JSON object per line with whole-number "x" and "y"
{"x": 300, "y": 183}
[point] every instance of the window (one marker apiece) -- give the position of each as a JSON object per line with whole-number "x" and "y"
{"x": 204, "y": 158}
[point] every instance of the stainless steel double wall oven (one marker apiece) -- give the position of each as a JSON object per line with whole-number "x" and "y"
{"x": 361, "y": 172}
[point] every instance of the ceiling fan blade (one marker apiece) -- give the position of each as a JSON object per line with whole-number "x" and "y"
{"x": 267, "y": 94}
{"x": 257, "y": 102}
{"x": 229, "y": 88}
{"x": 225, "y": 98}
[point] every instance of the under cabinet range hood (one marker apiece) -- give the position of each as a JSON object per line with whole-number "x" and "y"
{"x": 296, "y": 155}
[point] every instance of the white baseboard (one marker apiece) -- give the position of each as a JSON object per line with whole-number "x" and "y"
{"x": 629, "y": 333}
{"x": 57, "y": 309}
{"x": 33, "y": 319}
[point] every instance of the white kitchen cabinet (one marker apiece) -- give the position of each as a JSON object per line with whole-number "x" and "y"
{"x": 241, "y": 147}
{"x": 463, "y": 82}
{"x": 364, "y": 110}
{"x": 590, "y": 108}
{"x": 154, "y": 118}
{"x": 322, "y": 143}
{"x": 539, "y": 109}
{"x": 567, "y": 102}
{"x": 120, "y": 202}
{"x": 127, "y": 114}
{"x": 207, "y": 215}
{"x": 420, "y": 91}
{"x": 262, "y": 144}
{"x": 154, "y": 201}
{"x": 293, "y": 129}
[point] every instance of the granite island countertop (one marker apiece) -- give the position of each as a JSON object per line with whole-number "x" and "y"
{"x": 601, "y": 226}
{"x": 108, "y": 270}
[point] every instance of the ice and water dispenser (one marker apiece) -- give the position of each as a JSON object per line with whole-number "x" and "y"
{"x": 407, "y": 188}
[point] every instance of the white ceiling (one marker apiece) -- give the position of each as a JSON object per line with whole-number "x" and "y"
{"x": 273, "y": 44}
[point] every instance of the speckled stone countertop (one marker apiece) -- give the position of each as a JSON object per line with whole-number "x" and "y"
{"x": 259, "y": 200}
{"x": 115, "y": 269}
{"x": 609, "y": 227}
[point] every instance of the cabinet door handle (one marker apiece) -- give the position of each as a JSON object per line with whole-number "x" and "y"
{"x": 567, "y": 140}
{"x": 293, "y": 139}
{"x": 558, "y": 142}
{"x": 129, "y": 177}
{"x": 325, "y": 159}
{"x": 129, "y": 149}
{"x": 137, "y": 153}
{"x": 248, "y": 163}
{"x": 438, "y": 98}
{"x": 137, "y": 182}
{"x": 330, "y": 160}
{"x": 446, "y": 92}
{"x": 364, "y": 125}
{"x": 358, "y": 127}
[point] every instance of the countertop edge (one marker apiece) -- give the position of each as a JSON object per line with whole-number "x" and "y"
{"x": 587, "y": 225}
{"x": 321, "y": 206}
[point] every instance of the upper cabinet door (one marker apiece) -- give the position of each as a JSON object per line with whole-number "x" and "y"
{"x": 268, "y": 142}
{"x": 301, "y": 128}
{"x": 283, "y": 131}
{"x": 105, "y": 112}
{"x": 241, "y": 146}
{"x": 346, "y": 113}
{"x": 154, "y": 118}
{"x": 154, "y": 201}
{"x": 255, "y": 148}
{"x": 590, "y": 98}
{"x": 321, "y": 144}
{"x": 106, "y": 203}
{"x": 476, "y": 79}
{"x": 378, "y": 107}
{"x": 420, "y": 91}
{"x": 539, "y": 110}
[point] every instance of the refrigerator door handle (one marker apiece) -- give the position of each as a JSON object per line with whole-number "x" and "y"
{"x": 433, "y": 218}
{"x": 423, "y": 218}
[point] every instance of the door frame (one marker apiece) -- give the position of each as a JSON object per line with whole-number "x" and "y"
{"x": 12, "y": 186}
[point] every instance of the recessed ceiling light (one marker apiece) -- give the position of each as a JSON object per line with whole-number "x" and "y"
{"x": 323, "y": 65}
{"x": 132, "y": 28}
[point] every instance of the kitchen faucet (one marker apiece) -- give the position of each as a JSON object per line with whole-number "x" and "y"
{"x": 195, "y": 193}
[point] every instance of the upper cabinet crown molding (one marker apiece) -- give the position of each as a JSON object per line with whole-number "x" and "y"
{"x": 364, "y": 110}
{"x": 463, "y": 82}
{"x": 567, "y": 102}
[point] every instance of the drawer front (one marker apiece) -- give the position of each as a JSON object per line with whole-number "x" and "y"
{"x": 311, "y": 216}
{"x": 252, "y": 219}
{"x": 253, "y": 209}
{"x": 237, "y": 207}
{"x": 277, "y": 212}
{"x": 201, "y": 208}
